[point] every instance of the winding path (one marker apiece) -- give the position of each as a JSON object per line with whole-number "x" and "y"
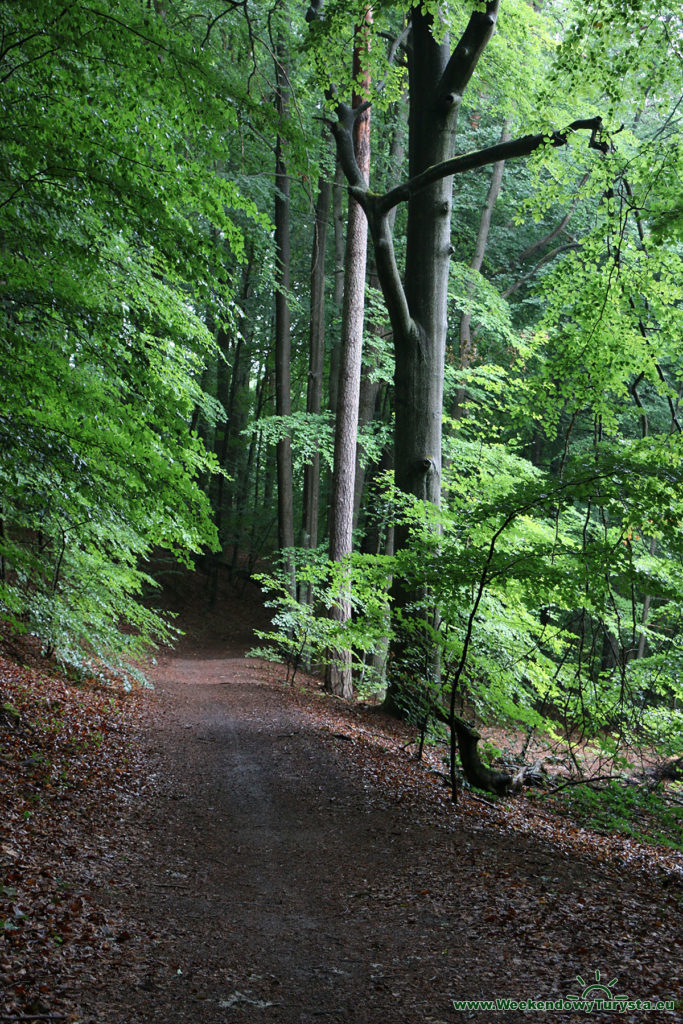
{"x": 266, "y": 878}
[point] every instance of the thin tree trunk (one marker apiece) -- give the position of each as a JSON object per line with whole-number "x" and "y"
{"x": 369, "y": 389}
{"x": 316, "y": 359}
{"x": 245, "y": 478}
{"x": 642, "y": 640}
{"x": 285, "y": 489}
{"x": 3, "y": 566}
{"x": 229, "y": 380}
{"x": 339, "y": 677}
{"x": 338, "y": 290}
{"x": 269, "y": 469}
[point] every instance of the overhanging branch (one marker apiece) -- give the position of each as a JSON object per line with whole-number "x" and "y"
{"x": 523, "y": 146}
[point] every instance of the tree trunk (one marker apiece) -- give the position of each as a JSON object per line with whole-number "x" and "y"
{"x": 338, "y": 290}
{"x": 437, "y": 78}
{"x": 420, "y": 349}
{"x": 285, "y": 490}
{"x": 338, "y": 678}
{"x": 369, "y": 389}
{"x": 417, "y": 306}
{"x": 316, "y": 358}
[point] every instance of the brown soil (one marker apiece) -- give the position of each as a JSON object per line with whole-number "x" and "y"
{"x": 285, "y": 861}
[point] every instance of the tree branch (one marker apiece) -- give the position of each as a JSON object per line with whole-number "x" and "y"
{"x": 342, "y": 129}
{"x": 397, "y": 42}
{"x": 214, "y": 21}
{"x": 543, "y": 260}
{"x": 465, "y": 56}
{"x": 524, "y": 146}
{"x": 557, "y": 230}
{"x": 387, "y": 269}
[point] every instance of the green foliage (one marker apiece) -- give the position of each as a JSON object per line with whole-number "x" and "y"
{"x": 310, "y": 435}
{"x": 530, "y": 590}
{"x": 114, "y": 227}
{"x": 471, "y": 293}
{"x": 304, "y": 628}
{"x": 645, "y": 814}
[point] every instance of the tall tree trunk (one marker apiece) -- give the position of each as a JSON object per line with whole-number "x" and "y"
{"x": 338, "y": 289}
{"x": 339, "y": 677}
{"x": 285, "y": 490}
{"x": 437, "y": 79}
{"x": 417, "y": 306}
{"x": 316, "y": 359}
{"x": 231, "y": 379}
{"x": 369, "y": 389}
{"x": 246, "y": 477}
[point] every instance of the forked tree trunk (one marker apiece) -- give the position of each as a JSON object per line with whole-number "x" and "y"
{"x": 417, "y": 304}
{"x": 438, "y": 77}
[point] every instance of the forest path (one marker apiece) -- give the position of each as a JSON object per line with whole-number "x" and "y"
{"x": 269, "y": 879}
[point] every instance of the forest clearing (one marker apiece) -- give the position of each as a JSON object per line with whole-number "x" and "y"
{"x": 341, "y": 367}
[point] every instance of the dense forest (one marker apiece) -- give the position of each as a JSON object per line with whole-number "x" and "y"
{"x": 380, "y": 303}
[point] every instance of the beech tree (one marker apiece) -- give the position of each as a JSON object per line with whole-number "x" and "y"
{"x": 438, "y": 75}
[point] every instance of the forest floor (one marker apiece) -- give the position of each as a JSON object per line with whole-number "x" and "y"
{"x": 238, "y": 850}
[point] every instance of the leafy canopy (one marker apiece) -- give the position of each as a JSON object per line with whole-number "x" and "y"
{"x": 115, "y": 221}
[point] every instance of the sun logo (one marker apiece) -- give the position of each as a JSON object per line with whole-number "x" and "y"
{"x": 597, "y": 989}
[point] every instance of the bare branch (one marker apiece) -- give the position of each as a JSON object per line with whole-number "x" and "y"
{"x": 535, "y": 246}
{"x": 524, "y": 146}
{"x": 387, "y": 270}
{"x": 397, "y": 42}
{"x": 233, "y": 6}
{"x": 543, "y": 260}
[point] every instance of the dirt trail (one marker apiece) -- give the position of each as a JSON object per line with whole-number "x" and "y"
{"x": 266, "y": 879}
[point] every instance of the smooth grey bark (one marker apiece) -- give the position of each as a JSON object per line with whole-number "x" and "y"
{"x": 285, "y": 490}
{"x": 338, "y": 677}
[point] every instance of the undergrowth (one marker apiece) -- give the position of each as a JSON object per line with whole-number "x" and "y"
{"x": 647, "y": 815}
